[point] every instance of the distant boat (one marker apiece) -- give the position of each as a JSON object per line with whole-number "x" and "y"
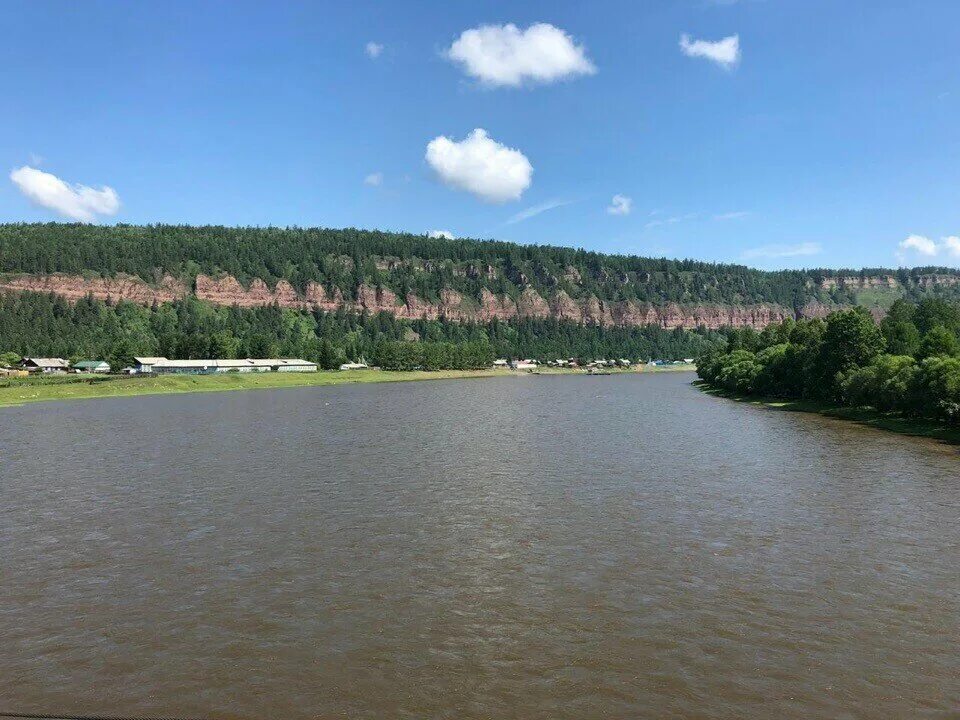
{"x": 598, "y": 371}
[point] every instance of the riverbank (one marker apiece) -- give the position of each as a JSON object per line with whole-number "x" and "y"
{"x": 78, "y": 387}
{"x": 16, "y": 391}
{"x": 890, "y": 422}
{"x": 82, "y": 387}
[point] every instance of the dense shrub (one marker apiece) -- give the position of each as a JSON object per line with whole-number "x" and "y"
{"x": 843, "y": 359}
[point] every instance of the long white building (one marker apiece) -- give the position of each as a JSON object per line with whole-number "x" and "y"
{"x": 162, "y": 365}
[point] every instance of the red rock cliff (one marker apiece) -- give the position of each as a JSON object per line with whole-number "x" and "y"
{"x": 590, "y": 310}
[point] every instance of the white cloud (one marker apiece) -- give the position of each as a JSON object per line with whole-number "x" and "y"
{"x": 919, "y": 243}
{"x": 374, "y": 179}
{"x": 783, "y": 251}
{"x": 77, "y": 202}
{"x": 373, "y": 50}
{"x": 536, "y": 210}
{"x": 442, "y": 234}
{"x": 480, "y": 165}
{"x": 620, "y": 205}
{"x": 726, "y": 52}
{"x": 504, "y": 55}
{"x": 736, "y": 215}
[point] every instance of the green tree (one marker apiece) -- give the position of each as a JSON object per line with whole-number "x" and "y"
{"x": 122, "y": 355}
{"x": 903, "y": 337}
{"x": 939, "y": 341}
{"x": 851, "y": 339}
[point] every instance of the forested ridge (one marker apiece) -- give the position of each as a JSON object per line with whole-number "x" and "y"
{"x": 345, "y": 259}
{"x": 41, "y": 324}
{"x": 908, "y": 364}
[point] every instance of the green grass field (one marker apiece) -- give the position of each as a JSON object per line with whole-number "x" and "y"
{"x": 891, "y": 422}
{"x": 18, "y": 391}
{"x": 76, "y": 387}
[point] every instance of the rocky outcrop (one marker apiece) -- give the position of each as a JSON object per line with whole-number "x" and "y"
{"x": 452, "y": 305}
{"x": 857, "y": 282}
{"x": 929, "y": 281}
{"x": 229, "y": 291}
{"x": 115, "y": 289}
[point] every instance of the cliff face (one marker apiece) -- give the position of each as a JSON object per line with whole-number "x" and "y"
{"x": 74, "y": 288}
{"x": 451, "y": 305}
{"x": 860, "y": 283}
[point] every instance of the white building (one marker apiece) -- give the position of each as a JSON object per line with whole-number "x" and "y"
{"x": 54, "y": 366}
{"x": 145, "y": 364}
{"x": 524, "y": 364}
{"x": 353, "y": 366}
{"x": 163, "y": 366}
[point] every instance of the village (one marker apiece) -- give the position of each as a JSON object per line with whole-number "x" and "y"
{"x": 29, "y": 366}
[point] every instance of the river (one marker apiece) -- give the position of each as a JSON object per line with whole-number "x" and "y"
{"x": 538, "y": 547}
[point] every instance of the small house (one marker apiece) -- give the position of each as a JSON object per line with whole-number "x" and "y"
{"x": 500, "y": 363}
{"x": 524, "y": 364}
{"x": 53, "y": 366}
{"x": 92, "y": 366}
{"x": 353, "y": 366}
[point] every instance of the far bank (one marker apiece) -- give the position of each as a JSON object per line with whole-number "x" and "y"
{"x": 81, "y": 387}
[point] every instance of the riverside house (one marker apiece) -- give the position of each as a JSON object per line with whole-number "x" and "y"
{"x": 92, "y": 366}
{"x": 50, "y": 366}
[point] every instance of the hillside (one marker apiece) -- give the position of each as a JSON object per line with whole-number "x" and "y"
{"x": 416, "y": 277}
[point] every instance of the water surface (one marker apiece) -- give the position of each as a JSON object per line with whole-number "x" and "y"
{"x": 539, "y": 547}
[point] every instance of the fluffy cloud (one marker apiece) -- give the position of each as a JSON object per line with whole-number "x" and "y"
{"x": 442, "y": 235}
{"x": 620, "y": 205}
{"x": 77, "y": 202}
{"x": 783, "y": 251}
{"x": 480, "y": 165}
{"x": 504, "y": 55}
{"x": 374, "y": 179}
{"x": 920, "y": 244}
{"x": 927, "y": 248}
{"x": 725, "y": 53}
{"x": 373, "y": 50}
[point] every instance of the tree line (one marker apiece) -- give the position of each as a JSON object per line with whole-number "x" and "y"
{"x": 345, "y": 259}
{"x": 908, "y": 364}
{"x": 44, "y": 325}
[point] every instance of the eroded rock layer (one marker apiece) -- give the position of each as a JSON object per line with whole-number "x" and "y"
{"x": 452, "y": 305}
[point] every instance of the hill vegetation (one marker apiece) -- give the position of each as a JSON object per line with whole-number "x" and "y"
{"x": 44, "y": 325}
{"x": 909, "y": 364}
{"x": 344, "y": 260}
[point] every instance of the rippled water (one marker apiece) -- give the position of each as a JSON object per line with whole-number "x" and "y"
{"x": 541, "y": 547}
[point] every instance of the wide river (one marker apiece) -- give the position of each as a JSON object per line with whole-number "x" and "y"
{"x": 536, "y": 547}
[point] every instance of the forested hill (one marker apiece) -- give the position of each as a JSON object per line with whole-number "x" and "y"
{"x": 496, "y": 278}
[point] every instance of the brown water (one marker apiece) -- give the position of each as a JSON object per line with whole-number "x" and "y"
{"x": 542, "y": 547}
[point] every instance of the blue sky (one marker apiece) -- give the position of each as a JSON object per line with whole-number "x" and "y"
{"x": 830, "y": 140}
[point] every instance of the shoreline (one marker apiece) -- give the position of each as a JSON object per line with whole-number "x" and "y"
{"x": 16, "y": 393}
{"x": 889, "y": 422}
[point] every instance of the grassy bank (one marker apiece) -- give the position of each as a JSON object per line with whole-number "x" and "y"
{"x": 17, "y": 391}
{"x": 891, "y": 422}
{"x": 76, "y": 387}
